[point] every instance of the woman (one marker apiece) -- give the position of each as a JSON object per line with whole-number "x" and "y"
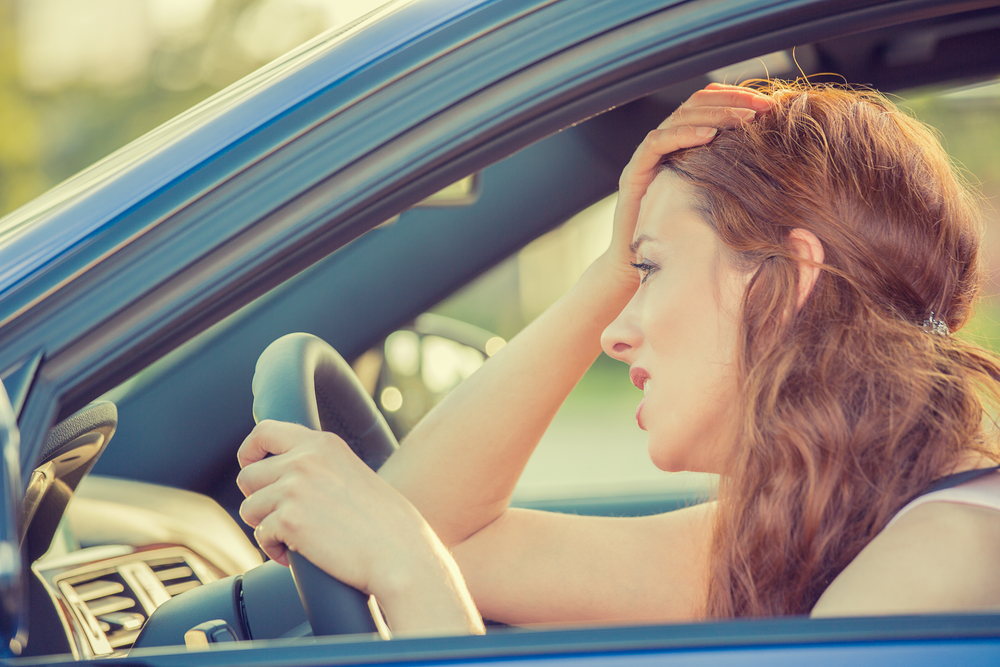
{"x": 786, "y": 266}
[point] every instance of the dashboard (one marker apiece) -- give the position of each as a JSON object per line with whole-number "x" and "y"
{"x": 123, "y": 549}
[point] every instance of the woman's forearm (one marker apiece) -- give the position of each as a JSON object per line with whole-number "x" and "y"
{"x": 426, "y": 594}
{"x": 461, "y": 462}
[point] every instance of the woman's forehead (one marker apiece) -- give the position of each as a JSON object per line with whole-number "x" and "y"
{"x": 667, "y": 215}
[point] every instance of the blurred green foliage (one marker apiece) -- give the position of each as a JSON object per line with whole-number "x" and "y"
{"x": 50, "y": 133}
{"x": 967, "y": 122}
{"x": 21, "y": 176}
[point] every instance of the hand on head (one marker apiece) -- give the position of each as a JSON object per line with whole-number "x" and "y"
{"x": 694, "y": 123}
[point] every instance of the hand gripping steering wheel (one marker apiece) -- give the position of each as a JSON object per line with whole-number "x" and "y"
{"x": 301, "y": 379}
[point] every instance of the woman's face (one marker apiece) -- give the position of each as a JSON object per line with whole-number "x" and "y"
{"x": 679, "y": 332}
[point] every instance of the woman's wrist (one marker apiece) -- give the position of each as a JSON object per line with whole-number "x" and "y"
{"x": 615, "y": 273}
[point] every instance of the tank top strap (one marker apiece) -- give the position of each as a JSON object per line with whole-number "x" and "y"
{"x": 971, "y": 487}
{"x": 948, "y": 481}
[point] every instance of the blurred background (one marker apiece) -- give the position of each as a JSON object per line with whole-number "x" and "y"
{"x": 82, "y": 78}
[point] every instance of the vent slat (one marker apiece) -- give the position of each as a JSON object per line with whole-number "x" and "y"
{"x": 122, "y": 638}
{"x": 182, "y": 572}
{"x": 97, "y": 589}
{"x": 122, "y": 621}
{"x": 177, "y": 589}
{"x": 109, "y": 605}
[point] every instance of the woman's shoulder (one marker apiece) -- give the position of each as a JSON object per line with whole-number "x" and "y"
{"x": 939, "y": 554}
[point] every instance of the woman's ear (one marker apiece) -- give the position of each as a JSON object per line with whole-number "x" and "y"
{"x": 807, "y": 247}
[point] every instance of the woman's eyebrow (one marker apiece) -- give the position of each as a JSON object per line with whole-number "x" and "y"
{"x": 634, "y": 248}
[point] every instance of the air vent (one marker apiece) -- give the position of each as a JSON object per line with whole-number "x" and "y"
{"x": 106, "y": 608}
{"x": 113, "y": 603}
{"x": 175, "y": 574}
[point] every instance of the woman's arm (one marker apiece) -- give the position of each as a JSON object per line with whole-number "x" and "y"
{"x": 459, "y": 465}
{"x": 314, "y": 496}
{"x": 542, "y": 567}
{"x": 461, "y": 462}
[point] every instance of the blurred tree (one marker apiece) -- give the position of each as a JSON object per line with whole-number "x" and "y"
{"x": 966, "y": 122}
{"x": 21, "y": 177}
{"x": 81, "y": 78}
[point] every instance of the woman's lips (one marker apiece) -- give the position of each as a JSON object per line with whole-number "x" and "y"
{"x": 640, "y": 378}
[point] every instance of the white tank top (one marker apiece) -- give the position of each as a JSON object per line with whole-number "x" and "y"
{"x": 982, "y": 491}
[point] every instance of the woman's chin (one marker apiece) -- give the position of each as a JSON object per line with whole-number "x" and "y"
{"x": 669, "y": 457}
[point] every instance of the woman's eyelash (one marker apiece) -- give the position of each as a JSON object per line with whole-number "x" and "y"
{"x": 645, "y": 268}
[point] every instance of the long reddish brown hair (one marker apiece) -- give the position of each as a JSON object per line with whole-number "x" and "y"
{"x": 849, "y": 408}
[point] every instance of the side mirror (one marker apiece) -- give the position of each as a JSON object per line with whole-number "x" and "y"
{"x": 410, "y": 371}
{"x": 12, "y": 601}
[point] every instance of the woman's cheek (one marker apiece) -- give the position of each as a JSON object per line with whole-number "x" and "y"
{"x": 686, "y": 411}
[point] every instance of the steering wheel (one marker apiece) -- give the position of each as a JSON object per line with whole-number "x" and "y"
{"x": 301, "y": 379}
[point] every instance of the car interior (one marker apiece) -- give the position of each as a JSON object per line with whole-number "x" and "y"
{"x": 135, "y": 505}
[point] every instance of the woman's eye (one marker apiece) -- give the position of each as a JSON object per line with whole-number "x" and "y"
{"x": 644, "y": 268}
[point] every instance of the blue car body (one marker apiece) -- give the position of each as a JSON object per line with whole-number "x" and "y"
{"x": 177, "y": 259}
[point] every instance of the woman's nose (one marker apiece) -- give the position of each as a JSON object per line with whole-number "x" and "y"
{"x": 622, "y": 336}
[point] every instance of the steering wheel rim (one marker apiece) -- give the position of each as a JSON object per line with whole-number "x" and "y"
{"x": 301, "y": 379}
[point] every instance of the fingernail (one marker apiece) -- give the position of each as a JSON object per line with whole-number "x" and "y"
{"x": 705, "y": 131}
{"x": 744, "y": 114}
{"x": 761, "y": 103}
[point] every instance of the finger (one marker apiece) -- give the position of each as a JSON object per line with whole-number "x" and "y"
{"x": 741, "y": 98}
{"x": 276, "y": 534}
{"x": 275, "y": 550}
{"x": 659, "y": 143}
{"x": 730, "y": 97}
{"x": 258, "y": 475}
{"x": 710, "y": 117}
{"x": 269, "y": 437}
{"x": 256, "y": 507}
{"x": 715, "y": 85}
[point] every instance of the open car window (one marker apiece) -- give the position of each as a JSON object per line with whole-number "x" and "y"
{"x": 593, "y": 453}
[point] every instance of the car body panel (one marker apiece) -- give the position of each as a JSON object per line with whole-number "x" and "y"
{"x": 966, "y": 640}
